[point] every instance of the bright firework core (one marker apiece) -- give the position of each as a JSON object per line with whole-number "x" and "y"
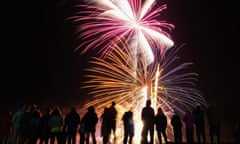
{"x": 136, "y": 25}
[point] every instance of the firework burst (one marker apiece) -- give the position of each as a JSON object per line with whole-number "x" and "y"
{"x": 167, "y": 80}
{"x": 100, "y": 21}
{"x": 116, "y": 79}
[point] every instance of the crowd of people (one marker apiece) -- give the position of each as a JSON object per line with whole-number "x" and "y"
{"x": 192, "y": 120}
{"x": 28, "y": 124}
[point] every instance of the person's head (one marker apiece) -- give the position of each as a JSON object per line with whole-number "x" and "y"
{"x": 21, "y": 106}
{"x": 73, "y": 109}
{"x": 148, "y": 103}
{"x": 56, "y": 111}
{"x": 160, "y": 110}
{"x": 113, "y": 103}
{"x": 105, "y": 109}
{"x": 91, "y": 109}
{"x": 33, "y": 107}
{"x": 131, "y": 108}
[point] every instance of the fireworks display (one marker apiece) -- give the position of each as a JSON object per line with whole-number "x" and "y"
{"x": 138, "y": 58}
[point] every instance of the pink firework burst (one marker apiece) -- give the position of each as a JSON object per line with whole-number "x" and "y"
{"x": 103, "y": 22}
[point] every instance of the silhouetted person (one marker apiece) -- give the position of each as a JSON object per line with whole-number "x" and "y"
{"x": 105, "y": 128}
{"x": 177, "y": 128}
{"x": 147, "y": 116}
{"x": 55, "y": 124}
{"x": 112, "y": 118}
{"x": 161, "y": 125}
{"x": 16, "y": 122}
{"x": 44, "y": 128}
{"x": 90, "y": 120}
{"x": 34, "y": 124}
{"x": 128, "y": 127}
{"x": 214, "y": 123}
{"x": 71, "y": 122}
{"x": 5, "y": 126}
{"x": 199, "y": 114}
{"x": 24, "y": 138}
{"x": 82, "y": 132}
{"x": 189, "y": 119}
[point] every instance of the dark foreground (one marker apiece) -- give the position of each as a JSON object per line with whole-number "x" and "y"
{"x": 99, "y": 141}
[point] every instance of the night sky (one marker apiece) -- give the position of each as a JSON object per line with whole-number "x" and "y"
{"x": 39, "y": 61}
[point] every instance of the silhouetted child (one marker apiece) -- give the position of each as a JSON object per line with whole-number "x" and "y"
{"x": 177, "y": 128}
{"x": 128, "y": 127}
{"x": 161, "y": 125}
{"x": 105, "y": 128}
{"x": 189, "y": 119}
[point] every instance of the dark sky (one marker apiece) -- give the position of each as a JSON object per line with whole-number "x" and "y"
{"x": 39, "y": 61}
